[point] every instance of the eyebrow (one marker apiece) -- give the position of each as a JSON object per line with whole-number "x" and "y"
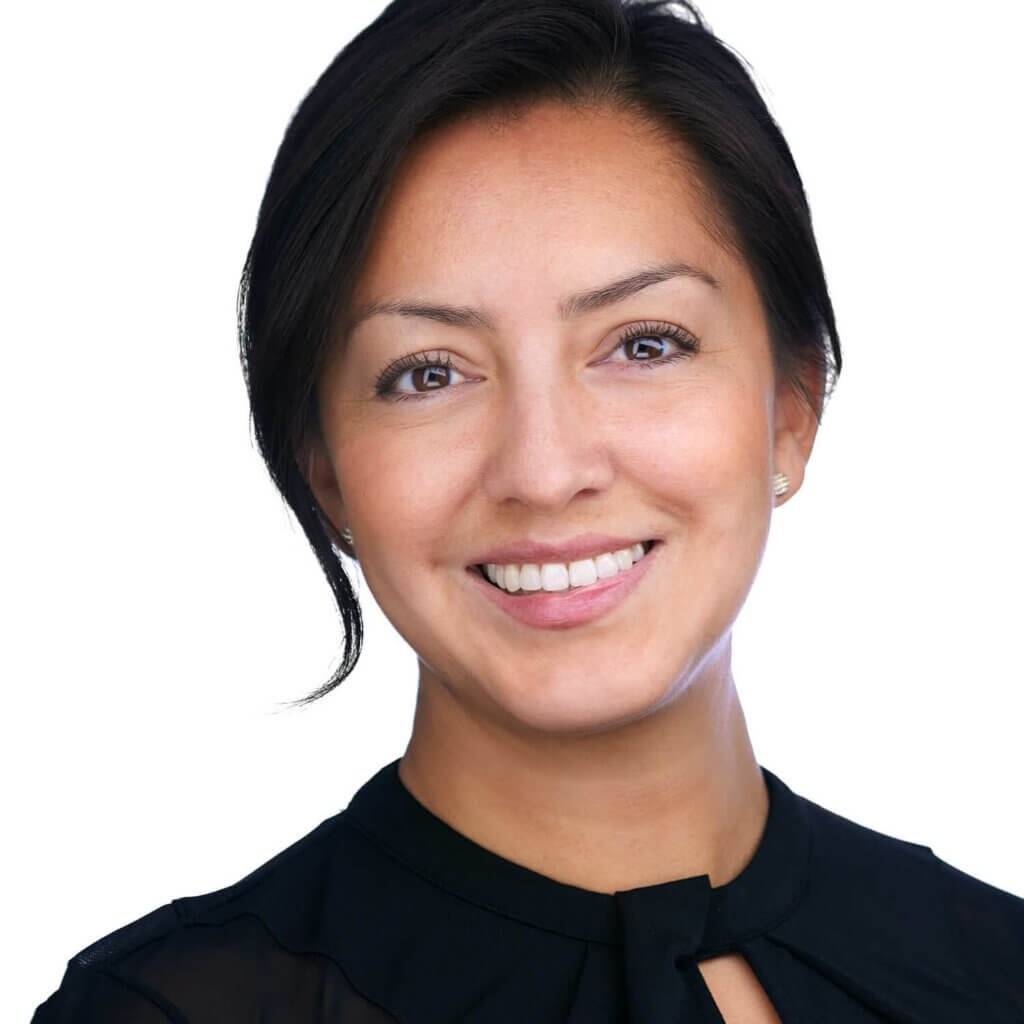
{"x": 569, "y": 308}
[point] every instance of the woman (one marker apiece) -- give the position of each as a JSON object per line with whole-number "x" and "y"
{"x": 482, "y": 216}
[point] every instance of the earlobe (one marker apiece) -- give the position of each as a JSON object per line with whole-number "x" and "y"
{"x": 315, "y": 461}
{"x": 796, "y": 427}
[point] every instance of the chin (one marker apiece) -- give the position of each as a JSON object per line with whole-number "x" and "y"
{"x": 580, "y": 706}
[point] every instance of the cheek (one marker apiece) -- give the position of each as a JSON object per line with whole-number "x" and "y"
{"x": 706, "y": 451}
{"x": 398, "y": 493}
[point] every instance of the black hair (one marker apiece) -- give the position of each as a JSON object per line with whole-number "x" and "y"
{"x": 424, "y": 62}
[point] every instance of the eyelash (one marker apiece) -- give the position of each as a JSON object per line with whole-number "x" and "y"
{"x": 687, "y": 343}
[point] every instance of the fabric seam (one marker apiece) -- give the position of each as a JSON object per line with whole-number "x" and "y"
{"x": 168, "y": 1009}
{"x": 270, "y": 930}
{"x": 394, "y": 855}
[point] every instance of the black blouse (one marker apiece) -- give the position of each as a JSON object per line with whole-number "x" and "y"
{"x": 385, "y": 914}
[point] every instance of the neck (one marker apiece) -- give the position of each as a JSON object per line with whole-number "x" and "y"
{"x": 676, "y": 794}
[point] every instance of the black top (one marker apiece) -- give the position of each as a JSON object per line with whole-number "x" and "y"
{"x": 386, "y": 914}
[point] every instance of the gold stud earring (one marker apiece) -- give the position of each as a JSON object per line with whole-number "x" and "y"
{"x": 780, "y": 484}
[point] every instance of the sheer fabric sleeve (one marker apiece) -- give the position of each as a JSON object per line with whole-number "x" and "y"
{"x": 90, "y": 996}
{"x": 231, "y": 973}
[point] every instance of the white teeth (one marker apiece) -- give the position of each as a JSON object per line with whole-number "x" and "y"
{"x": 558, "y": 576}
{"x": 529, "y": 577}
{"x": 511, "y": 578}
{"x": 554, "y": 577}
{"x": 581, "y": 574}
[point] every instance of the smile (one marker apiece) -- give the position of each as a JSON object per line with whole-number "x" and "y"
{"x": 555, "y": 577}
{"x": 565, "y": 605}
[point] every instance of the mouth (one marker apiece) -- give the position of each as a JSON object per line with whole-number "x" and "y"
{"x": 563, "y": 596}
{"x": 551, "y": 579}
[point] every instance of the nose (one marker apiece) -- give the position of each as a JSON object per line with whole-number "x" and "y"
{"x": 546, "y": 444}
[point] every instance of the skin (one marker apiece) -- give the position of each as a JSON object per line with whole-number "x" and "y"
{"x": 612, "y": 755}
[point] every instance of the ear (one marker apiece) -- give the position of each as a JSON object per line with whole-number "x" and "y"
{"x": 796, "y": 426}
{"x": 315, "y": 461}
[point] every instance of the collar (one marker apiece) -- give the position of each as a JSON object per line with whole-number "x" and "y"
{"x": 687, "y": 915}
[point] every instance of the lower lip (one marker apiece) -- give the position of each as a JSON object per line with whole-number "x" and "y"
{"x": 564, "y": 609}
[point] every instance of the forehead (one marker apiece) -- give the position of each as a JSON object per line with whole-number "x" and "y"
{"x": 545, "y": 200}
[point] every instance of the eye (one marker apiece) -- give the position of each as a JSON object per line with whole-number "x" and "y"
{"x": 415, "y": 375}
{"x": 647, "y": 344}
{"x": 655, "y": 344}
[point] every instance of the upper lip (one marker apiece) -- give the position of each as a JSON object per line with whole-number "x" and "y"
{"x": 585, "y": 545}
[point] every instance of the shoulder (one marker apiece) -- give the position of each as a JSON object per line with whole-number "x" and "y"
{"x": 849, "y": 852}
{"x": 171, "y": 963}
{"x": 875, "y": 903}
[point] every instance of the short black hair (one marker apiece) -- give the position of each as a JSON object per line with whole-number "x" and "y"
{"x": 423, "y": 63}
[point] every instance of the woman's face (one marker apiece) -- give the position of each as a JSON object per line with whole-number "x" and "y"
{"x": 524, "y": 417}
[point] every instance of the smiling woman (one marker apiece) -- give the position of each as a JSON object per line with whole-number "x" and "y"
{"x": 534, "y": 326}
{"x": 601, "y": 381}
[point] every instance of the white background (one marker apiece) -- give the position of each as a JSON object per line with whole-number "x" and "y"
{"x": 159, "y": 603}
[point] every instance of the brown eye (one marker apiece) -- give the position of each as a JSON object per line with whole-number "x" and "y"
{"x": 651, "y": 344}
{"x": 645, "y": 348}
{"x": 414, "y": 376}
{"x": 431, "y": 377}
